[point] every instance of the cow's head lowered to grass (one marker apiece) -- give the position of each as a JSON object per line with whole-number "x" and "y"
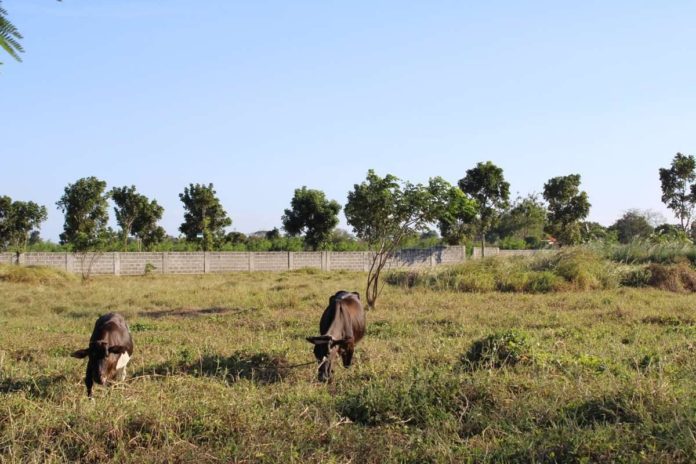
{"x": 342, "y": 325}
{"x": 108, "y": 352}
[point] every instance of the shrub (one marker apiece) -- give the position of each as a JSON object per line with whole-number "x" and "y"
{"x": 512, "y": 243}
{"x": 636, "y": 277}
{"x": 406, "y": 279}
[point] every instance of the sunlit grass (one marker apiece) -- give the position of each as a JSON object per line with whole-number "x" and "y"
{"x": 599, "y": 376}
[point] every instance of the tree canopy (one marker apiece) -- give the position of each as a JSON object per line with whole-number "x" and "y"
{"x": 679, "y": 188}
{"x": 486, "y": 184}
{"x": 567, "y": 207}
{"x": 137, "y": 216}
{"x": 632, "y": 225}
{"x": 383, "y": 211}
{"x": 456, "y": 212}
{"x": 524, "y": 220}
{"x": 204, "y": 216}
{"x": 85, "y": 206}
{"x": 18, "y": 220}
{"x": 312, "y": 214}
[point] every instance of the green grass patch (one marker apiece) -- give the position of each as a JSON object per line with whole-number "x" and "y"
{"x": 497, "y": 350}
{"x": 222, "y": 373}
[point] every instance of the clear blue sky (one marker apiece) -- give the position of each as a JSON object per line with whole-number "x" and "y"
{"x": 262, "y": 97}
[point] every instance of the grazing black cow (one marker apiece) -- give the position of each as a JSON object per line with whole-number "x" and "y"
{"x": 342, "y": 326}
{"x": 110, "y": 349}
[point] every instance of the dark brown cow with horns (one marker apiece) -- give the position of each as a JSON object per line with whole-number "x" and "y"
{"x": 342, "y": 326}
{"x": 110, "y": 349}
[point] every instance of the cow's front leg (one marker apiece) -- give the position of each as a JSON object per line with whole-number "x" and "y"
{"x": 89, "y": 382}
{"x": 121, "y": 366}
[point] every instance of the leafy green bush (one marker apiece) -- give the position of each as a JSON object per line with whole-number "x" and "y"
{"x": 512, "y": 243}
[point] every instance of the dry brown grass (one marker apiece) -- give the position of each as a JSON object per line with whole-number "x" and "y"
{"x": 674, "y": 278}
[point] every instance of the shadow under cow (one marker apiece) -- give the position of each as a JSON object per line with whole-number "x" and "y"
{"x": 262, "y": 368}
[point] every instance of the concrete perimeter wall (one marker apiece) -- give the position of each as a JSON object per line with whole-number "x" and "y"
{"x": 207, "y": 262}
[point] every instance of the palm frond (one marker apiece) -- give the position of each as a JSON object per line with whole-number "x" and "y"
{"x": 9, "y": 36}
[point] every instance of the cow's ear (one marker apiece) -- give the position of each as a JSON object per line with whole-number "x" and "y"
{"x": 117, "y": 349}
{"x": 320, "y": 340}
{"x": 79, "y": 354}
{"x": 357, "y": 294}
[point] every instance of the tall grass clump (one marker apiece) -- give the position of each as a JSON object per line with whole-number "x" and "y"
{"x": 572, "y": 269}
{"x": 642, "y": 252}
{"x": 583, "y": 268}
{"x": 34, "y": 275}
{"x": 674, "y": 278}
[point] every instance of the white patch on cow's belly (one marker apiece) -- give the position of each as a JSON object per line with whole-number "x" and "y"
{"x": 123, "y": 360}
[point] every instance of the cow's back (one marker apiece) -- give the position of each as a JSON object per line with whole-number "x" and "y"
{"x": 351, "y": 308}
{"x": 113, "y": 329}
{"x": 356, "y": 313}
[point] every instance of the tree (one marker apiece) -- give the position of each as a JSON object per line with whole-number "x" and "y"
{"x": 486, "y": 184}
{"x": 204, "y": 216}
{"x": 457, "y": 212}
{"x": 594, "y": 231}
{"x": 312, "y": 214}
{"x": 679, "y": 188}
{"x": 524, "y": 220}
{"x": 383, "y": 211}
{"x": 632, "y": 225}
{"x": 18, "y": 221}
{"x": 669, "y": 233}
{"x": 567, "y": 207}
{"x": 85, "y": 206}
{"x": 9, "y": 36}
{"x": 137, "y": 216}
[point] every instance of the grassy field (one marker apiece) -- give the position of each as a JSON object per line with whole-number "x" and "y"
{"x": 604, "y": 375}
